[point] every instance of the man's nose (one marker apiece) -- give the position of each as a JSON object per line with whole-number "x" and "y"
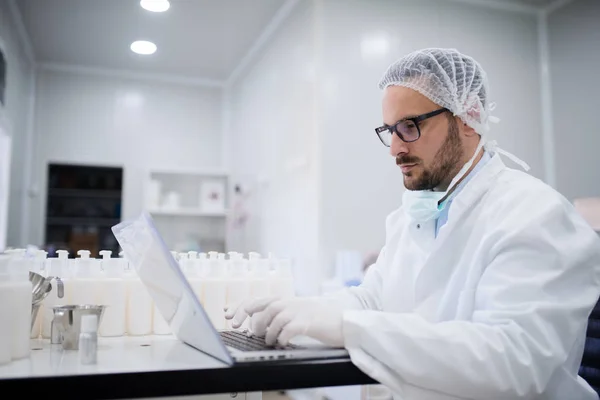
{"x": 397, "y": 146}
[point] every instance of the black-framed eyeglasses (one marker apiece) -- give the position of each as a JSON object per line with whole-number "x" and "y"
{"x": 407, "y": 129}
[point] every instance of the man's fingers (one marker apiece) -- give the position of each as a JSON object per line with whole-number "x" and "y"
{"x": 259, "y": 304}
{"x": 262, "y": 319}
{"x": 255, "y": 327}
{"x": 289, "y": 332}
{"x": 230, "y": 309}
{"x": 279, "y": 322}
{"x": 245, "y": 309}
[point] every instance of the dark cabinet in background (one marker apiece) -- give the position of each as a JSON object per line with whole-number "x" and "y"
{"x": 83, "y": 202}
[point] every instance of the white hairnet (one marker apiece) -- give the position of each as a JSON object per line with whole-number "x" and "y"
{"x": 448, "y": 78}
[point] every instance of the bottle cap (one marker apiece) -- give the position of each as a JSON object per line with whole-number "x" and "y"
{"x": 105, "y": 254}
{"x": 62, "y": 254}
{"x": 84, "y": 254}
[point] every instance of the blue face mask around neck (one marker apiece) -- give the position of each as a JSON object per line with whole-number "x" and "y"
{"x": 424, "y": 205}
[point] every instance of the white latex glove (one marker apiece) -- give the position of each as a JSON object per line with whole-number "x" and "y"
{"x": 245, "y": 309}
{"x": 280, "y": 320}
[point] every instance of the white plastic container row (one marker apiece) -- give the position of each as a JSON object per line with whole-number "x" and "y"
{"x": 107, "y": 281}
{"x": 216, "y": 280}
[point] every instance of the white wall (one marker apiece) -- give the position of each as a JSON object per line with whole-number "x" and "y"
{"x": 138, "y": 125}
{"x": 272, "y": 127}
{"x": 347, "y": 44}
{"x": 574, "y": 37}
{"x": 18, "y": 97}
{"x": 360, "y": 181}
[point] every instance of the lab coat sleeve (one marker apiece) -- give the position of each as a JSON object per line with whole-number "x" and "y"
{"x": 530, "y": 306}
{"x": 366, "y": 295}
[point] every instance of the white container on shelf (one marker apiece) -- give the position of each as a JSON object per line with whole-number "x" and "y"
{"x": 112, "y": 293}
{"x": 238, "y": 283}
{"x": 215, "y": 291}
{"x": 57, "y": 267}
{"x": 85, "y": 283}
{"x": 139, "y": 305}
{"x": 20, "y": 288}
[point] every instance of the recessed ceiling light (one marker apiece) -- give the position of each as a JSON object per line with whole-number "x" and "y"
{"x": 143, "y": 47}
{"x": 155, "y": 5}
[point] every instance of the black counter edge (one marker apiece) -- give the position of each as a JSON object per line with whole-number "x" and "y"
{"x": 255, "y": 378}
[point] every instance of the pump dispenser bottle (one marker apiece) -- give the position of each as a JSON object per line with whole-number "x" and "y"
{"x": 215, "y": 290}
{"x": 238, "y": 284}
{"x": 112, "y": 294}
{"x": 260, "y": 284}
{"x": 139, "y": 305}
{"x": 85, "y": 284}
{"x": 15, "y": 298}
{"x": 196, "y": 276}
{"x": 282, "y": 279}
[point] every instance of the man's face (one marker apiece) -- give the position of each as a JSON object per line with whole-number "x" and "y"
{"x": 436, "y": 157}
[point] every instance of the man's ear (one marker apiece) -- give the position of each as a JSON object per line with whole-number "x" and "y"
{"x": 465, "y": 129}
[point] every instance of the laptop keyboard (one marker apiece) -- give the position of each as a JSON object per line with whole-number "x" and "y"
{"x": 240, "y": 341}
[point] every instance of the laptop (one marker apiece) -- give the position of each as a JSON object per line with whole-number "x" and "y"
{"x": 175, "y": 299}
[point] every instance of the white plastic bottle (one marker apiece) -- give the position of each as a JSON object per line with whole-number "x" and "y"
{"x": 20, "y": 287}
{"x": 282, "y": 279}
{"x": 260, "y": 283}
{"x": 88, "y": 340}
{"x": 238, "y": 283}
{"x": 159, "y": 325}
{"x": 215, "y": 291}
{"x": 6, "y": 313}
{"x": 197, "y": 276}
{"x": 57, "y": 267}
{"x": 85, "y": 284}
{"x": 139, "y": 305}
{"x": 39, "y": 267}
{"x": 183, "y": 261}
{"x": 192, "y": 256}
{"x": 113, "y": 295}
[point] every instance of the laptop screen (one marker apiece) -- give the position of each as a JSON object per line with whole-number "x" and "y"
{"x": 173, "y": 296}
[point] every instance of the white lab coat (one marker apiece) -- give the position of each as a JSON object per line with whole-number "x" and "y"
{"x": 495, "y": 307}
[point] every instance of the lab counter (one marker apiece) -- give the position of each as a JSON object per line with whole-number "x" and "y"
{"x": 160, "y": 366}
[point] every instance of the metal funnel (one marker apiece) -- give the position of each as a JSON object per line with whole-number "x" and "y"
{"x": 41, "y": 287}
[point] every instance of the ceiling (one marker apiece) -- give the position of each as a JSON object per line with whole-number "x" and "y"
{"x": 195, "y": 38}
{"x": 203, "y": 39}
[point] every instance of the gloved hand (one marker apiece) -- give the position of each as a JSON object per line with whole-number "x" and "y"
{"x": 280, "y": 320}
{"x": 245, "y": 309}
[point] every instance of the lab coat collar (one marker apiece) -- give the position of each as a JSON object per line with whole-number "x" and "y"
{"x": 474, "y": 189}
{"x": 429, "y": 278}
